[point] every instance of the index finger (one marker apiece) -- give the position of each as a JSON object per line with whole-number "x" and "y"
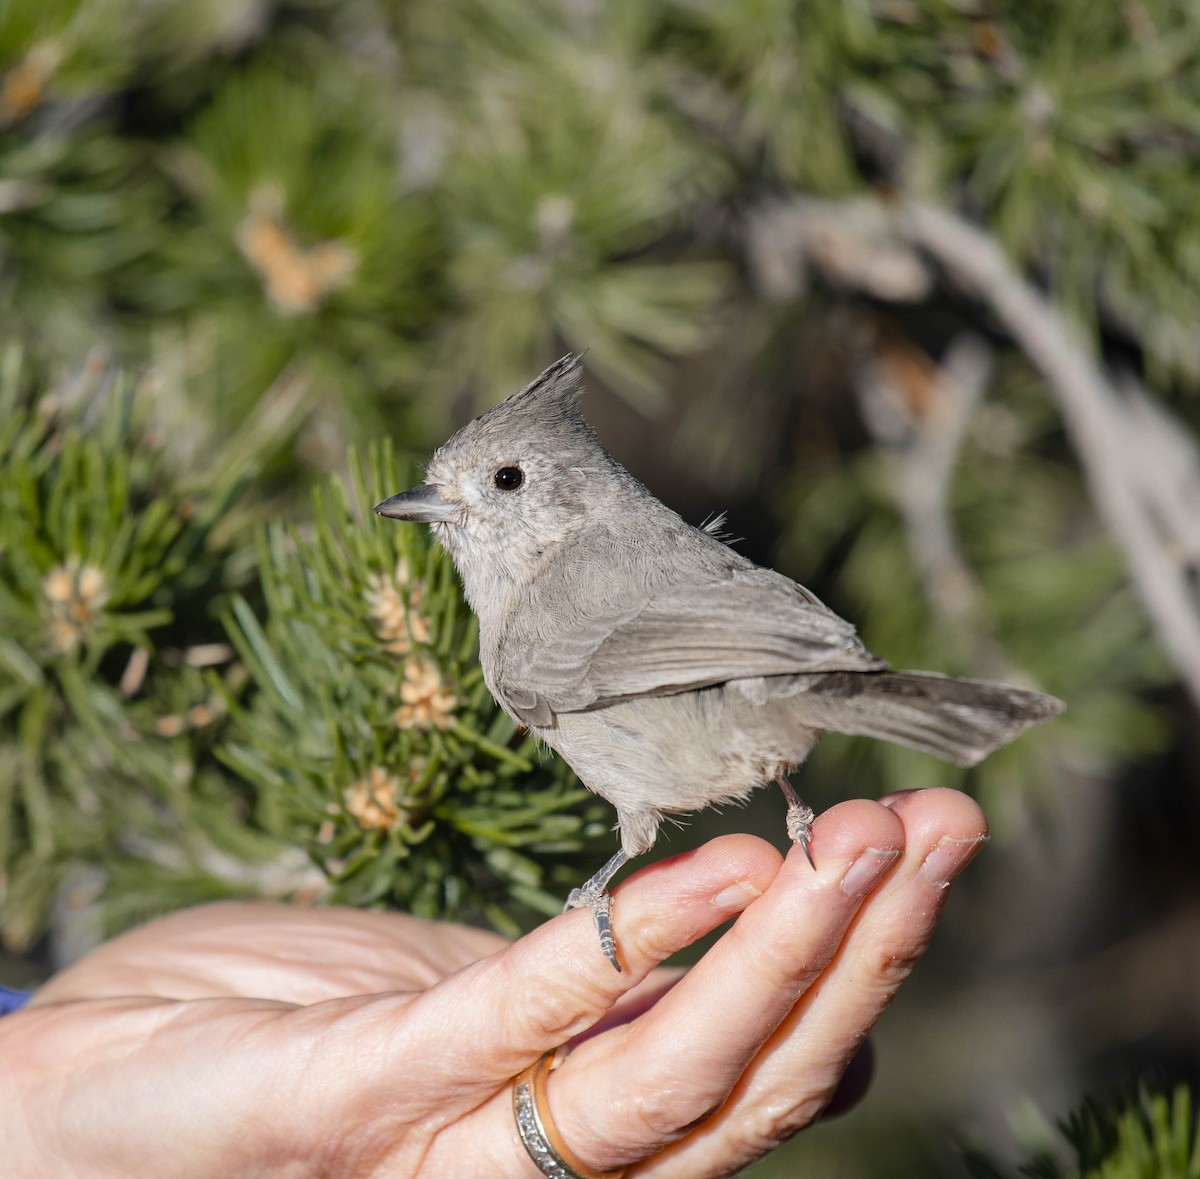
{"x": 502, "y": 1013}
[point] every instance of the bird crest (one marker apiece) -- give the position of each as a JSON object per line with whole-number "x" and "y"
{"x": 547, "y": 410}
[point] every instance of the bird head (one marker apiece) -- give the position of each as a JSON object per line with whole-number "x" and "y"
{"x": 514, "y": 484}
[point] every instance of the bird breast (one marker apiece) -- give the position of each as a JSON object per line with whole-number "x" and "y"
{"x": 682, "y": 752}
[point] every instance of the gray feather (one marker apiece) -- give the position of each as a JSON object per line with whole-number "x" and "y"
{"x": 957, "y": 719}
{"x": 691, "y": 637}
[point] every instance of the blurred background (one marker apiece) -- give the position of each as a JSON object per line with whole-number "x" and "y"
{"x": 909, "y": 290}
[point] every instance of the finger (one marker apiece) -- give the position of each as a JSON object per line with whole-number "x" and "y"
{"x": 507, "y": 1010}
{"x": 800, "y": 1065}
{"x": 626, "y": 1097}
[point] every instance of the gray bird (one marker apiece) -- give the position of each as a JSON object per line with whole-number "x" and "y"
{"x": 670, "y": 672}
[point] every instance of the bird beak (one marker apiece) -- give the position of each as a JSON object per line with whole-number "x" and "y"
{"x": 423, "y": 504}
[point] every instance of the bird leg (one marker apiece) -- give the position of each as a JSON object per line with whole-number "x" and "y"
{"x": 594, "y": 895}
{"x": 799, "y": 818}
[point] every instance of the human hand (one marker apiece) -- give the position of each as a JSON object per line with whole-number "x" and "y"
{"x": 247, "y": 1040}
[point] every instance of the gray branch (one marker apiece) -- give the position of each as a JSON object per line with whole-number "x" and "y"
{"x": 1117, "y": 438}
{"x": 925, "y": 437}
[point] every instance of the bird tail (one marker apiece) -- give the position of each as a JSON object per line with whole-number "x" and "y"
{"x": 955, "y": 719}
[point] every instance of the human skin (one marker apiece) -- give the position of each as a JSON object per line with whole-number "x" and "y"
{"x": 257, "y": 1040}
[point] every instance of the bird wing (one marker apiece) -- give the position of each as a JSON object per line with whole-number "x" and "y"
{"x": 687, "y": 637}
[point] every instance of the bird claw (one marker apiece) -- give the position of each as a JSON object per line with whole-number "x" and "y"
{"x": 594, "y": 895}
{"x": 599, "y": 900}
{"x": 799, "y": 828}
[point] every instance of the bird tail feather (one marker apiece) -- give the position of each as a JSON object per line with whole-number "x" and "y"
{"x": 959, "y": 720}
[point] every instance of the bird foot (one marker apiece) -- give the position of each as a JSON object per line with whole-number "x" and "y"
{"x": 799, "y": 828}
{"x": 800, "y": 818}
{"x": 600, "y": 903}
{"x": 594, "y": 895}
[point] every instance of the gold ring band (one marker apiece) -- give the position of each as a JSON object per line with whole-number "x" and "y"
{"x": 539, "y": 1134}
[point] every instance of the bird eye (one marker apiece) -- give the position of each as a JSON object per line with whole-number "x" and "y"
{"x": 509, "y": 478}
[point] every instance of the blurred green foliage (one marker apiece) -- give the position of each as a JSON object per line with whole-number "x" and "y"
{"x": 1149, "y": 1135}
{"x": 405, "y": 196}
{"x": 112, "y": 558}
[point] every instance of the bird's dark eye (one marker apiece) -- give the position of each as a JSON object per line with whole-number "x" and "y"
{"x": 509, "y": 478}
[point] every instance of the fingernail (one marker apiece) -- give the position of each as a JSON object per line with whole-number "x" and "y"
{"x": 948, "y": 858}
{"x": 863, "y": 874}
{"x": 737, "y": 896}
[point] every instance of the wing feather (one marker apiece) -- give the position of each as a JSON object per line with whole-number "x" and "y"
{"x": 744, "y": 627}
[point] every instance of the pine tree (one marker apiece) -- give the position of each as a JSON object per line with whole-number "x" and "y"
{"x": 919, "y": 283}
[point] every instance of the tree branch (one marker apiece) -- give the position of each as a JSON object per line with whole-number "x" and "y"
{"x": 919, "y": 411}
{"x": 1115, "y": 457}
